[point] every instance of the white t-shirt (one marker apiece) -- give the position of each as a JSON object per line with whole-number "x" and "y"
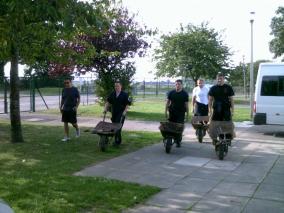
{"x": 201, "y": 94}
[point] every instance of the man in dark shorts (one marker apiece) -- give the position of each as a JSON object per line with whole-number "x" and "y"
{"x": 69, "y": 104}
{"x": 119, "y": 102}
{"x": 221, "y": 106}
{"x": 177, "y": 106}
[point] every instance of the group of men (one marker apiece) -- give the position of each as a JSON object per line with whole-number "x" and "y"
{"x": 217, "y": 102}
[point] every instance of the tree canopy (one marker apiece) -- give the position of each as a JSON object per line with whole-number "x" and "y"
{"x": 277, "y": 26}
{"x": 122, "y": 40}
{"x": 193, "y": 52}
{"x": 31, "y": 30}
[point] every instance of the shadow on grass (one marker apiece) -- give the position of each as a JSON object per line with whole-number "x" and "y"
{"x": 36, "y": 176}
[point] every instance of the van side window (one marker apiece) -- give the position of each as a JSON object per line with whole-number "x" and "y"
{"x": 272, "y": 86}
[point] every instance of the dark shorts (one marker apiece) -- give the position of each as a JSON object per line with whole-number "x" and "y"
{"x": 69, "y": 117}
{"x": 201, "y": 109}
{"x": 177, "y": 117}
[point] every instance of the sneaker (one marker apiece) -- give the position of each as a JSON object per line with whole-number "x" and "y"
{"x": 78, "y": 133}
{"x": 65, "y": 139}
{"x": 178, "y": 143}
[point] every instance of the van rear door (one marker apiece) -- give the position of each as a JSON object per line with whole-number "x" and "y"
{"x": 272, "y": 99}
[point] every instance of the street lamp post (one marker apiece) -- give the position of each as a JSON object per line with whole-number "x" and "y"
{"x": 251, "y": 68}
{"x": 244, "y": 75}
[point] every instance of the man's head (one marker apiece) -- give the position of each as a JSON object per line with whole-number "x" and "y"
{"x": 117, "y": 86}
{"x": 220, "y": 78}
{"x": 67, "y": 83}
{"x": 178, "y": 85}
{"x": 200, "y": 82}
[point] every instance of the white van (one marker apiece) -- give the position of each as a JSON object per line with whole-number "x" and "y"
{"x": 269, "y": 94}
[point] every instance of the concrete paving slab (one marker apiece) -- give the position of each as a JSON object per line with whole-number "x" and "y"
{"x": 270, "y": 192}
{"x": 274, "y": 179}
{"x": 175, "y": 199}
{"x": 248, "y": 173}
{"x": 278, "y": 168}
{"x": 219, "y": 204}
{"x": 264, "y": 206}
{"x": 5, "y": 208}
{"x": 209, "y": 174}
{"x": 222, "y": 165}
{"x": 194, "y": 185}
{"x": 153, "y": 209}
{"x": 192, "y": 161}
{"x": 235, "y": 189}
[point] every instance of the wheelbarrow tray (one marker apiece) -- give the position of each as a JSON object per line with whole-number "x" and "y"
{"x": 106, "y": 128}
{"x": 196, "y": 122}
{"x": 221, "y": 127}
{"x": 171, "y": 129}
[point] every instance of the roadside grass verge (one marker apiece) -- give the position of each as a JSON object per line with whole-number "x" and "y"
{"x": 37, "y": 176}
{"x": 147, "y": 110}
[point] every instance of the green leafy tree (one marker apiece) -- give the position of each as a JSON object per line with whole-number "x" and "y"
{"x": 277, "y": 26}
{"x": 192, "y": 52}
{"x": 31, "y": 30}
{"x": 122, "y": 40}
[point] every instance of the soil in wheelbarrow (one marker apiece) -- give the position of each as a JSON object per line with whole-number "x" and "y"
{"x": 106, "y": 127}
{"x": 171, "y": 127}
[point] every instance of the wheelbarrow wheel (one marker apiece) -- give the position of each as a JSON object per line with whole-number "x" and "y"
{"x": 103, "y": 142}
{"x": 168, "y": 145}
{"x": 200, "y": 134}
{"x": 220, "y": 151}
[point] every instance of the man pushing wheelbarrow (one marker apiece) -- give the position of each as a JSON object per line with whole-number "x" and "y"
{"x": 176, "y": 107}
{"x": 221, "y": 109}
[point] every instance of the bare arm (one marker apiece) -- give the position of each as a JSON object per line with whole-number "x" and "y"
{"x": 187, "y": 110}
{"x": 193, "y": 102}
{"x": 125, "y": 110}
{"x": 167, "y": 107}
{"x": 78, "y": 101}
{"x": 107, "y": 105}
{"x": 232, "y": 105}
{"x": 210, "y": 103}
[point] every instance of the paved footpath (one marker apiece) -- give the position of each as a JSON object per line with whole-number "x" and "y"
{"x": 249, "y": 180}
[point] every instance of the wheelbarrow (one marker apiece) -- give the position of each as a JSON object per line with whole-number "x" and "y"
{"x": 200, "y": 124}
{"x": 105, "y": 130}
{"x": 172, "y": 133}
{"x": 222, "y": 133}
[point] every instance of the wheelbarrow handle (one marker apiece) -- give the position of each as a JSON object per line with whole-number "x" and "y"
{"x": 104, "y": 116}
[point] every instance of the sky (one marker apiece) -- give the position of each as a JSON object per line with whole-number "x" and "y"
{"x": 231, "y": 17}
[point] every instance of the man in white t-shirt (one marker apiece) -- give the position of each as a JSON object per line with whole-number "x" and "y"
{"x": 200, "y": 99}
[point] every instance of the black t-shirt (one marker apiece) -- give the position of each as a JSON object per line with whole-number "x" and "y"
{"x": 118, "y": 103}
{"x": 221, "y": 95}
{"x": 70, "y": 98}
{"x": 178, "y": 100}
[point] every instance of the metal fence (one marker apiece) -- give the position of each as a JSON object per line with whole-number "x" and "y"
{"x": 44, "y": 93}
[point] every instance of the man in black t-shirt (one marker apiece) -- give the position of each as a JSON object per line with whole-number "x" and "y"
{"x": 221, "y": 100}
{"x": 119, "y": 102}
{"x": 177, "y": 106}
{"x": 221, "y": 108}
{"x": 69, "y": 104}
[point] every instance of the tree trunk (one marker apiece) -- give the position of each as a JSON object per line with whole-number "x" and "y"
{"x": 16, "y": 128}
{"x": 2, "y": 74}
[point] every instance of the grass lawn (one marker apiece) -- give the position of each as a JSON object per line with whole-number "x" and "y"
{"x": 36, "y": 176}
{"x": 148, "y": 110}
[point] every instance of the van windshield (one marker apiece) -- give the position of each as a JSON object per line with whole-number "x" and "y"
{"x": 272, "y": 86}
